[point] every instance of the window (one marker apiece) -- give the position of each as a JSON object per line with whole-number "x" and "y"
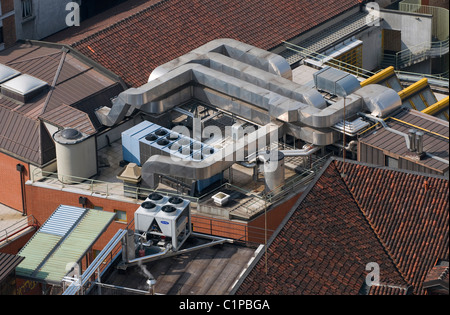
{"x": 97, "y": 208}
{"x": 121, "y": 216}
{"x": 1, "y": 35}
{"x": 27, "y": 8}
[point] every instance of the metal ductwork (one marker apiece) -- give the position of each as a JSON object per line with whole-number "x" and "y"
{"x": 209, "y": 166}
{"x": 250, "y": 82}
{"x": 335, "y": 82}
{"x": 236, "y": 50}
{"x": 253, "y": 84}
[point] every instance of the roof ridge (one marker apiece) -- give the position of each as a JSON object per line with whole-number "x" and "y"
{"x": 406, "y": 288}
{"x": 444, "y": 273}
{"x": 372, "y": 227}
{"x": 151, "y": 7}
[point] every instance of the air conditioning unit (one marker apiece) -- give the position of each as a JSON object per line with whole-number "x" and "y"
{"x": 167, "y": 218}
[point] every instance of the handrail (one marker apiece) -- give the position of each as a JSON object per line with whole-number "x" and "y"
{"x": 101, "y": 187}
{"x": 415, "y": 53}
{"x": 18, "y": 227}
{"x": 363, "y": 73}
{"x": 324, "y": 59}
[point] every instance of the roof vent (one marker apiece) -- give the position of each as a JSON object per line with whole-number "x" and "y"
{"x": 23, "y": 87}
{"x": 7, "y": 73}
{"x": 71, "y": 134}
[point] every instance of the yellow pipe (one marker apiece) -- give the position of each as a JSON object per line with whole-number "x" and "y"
{"x": 413, "y": 88}
{"x": 379, "y": 76}
{"x": 436, "y": 107}
{"x": 412, "y": 125}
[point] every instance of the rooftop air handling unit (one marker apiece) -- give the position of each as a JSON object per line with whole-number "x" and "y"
{"x": 164, "y": 220}
{"x": 147, "y": 139}
{"x": 162, "y": 226}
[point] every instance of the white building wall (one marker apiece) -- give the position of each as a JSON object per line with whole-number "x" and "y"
{"x": 416, "y": 29}
{"x": 47, "y": 18}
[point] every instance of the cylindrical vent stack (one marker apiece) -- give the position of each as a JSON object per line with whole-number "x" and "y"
{"x": 412, "y": 140}
{"x": 419, "y": 142}
{"x": 76, "y": 155}
{"x": 274, "y": 170}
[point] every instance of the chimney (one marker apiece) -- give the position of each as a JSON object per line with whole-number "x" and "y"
{"x": 419, "y": 142}
{"x": 412, "y": 140}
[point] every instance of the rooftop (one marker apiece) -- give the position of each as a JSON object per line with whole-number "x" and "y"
{"x": 181, "y": 27}
{"x": 210, "y": 271}
{"x": 76, "y": 88}
{"x": 351, "y": 215}
{"x": 435, "y": 139}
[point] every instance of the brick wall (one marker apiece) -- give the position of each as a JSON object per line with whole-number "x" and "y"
{"x": 10, "y": 191}
{"x": 9, "y": 31}
{"x": 9, "y": 25}
{"x": 437, "y": 3}
{"x": 7, "y": 5}
{"x": 42, "y": 202}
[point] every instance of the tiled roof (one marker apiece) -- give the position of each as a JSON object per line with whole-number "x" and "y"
{"x": 323, "y": 247}
{"x": 133, "y": 46}
{"x": 8, "y": 264}
{"x": 395, "y": 218}
{"x": 79, "y": 89}
{"x": 409, "y": 212}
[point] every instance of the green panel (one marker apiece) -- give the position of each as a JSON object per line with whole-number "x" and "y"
{"x": 76, "y": 244}
{"x": 40, "y": 245}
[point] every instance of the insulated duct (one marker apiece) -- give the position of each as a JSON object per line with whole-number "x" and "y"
{"x": 211, "y": 165}
{"x": 248, "y": 82}
{"x": 248, "y": 54}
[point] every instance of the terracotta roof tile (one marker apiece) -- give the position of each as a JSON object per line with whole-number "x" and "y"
{"x": 395, "y": 218}
{"x": 323, "y": 248}
{"x": 409, "y": 212}
{"x": 132, "y": 47}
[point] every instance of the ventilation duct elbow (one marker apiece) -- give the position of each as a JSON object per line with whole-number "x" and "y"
{"x": 379, "y": 100}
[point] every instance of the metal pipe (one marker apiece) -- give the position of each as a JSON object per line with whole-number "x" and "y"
{"x": 406, "y": 136}
{"x": 21, "y": 169}
{"x": 167, "y": 251}
{"x": 302, "y": 152}
{"x": 149, "y": 257}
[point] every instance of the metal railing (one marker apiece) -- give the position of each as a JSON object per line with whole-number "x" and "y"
{"x": 98, "y": 187}
{"x": 440, "y": 20}
{"x": 17, "y": 227}
{"x": 415, "y": 54}
{"x": 323, "y": 60}
{"x": 359, "y": 72}
{"x": 107, "y": 189}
